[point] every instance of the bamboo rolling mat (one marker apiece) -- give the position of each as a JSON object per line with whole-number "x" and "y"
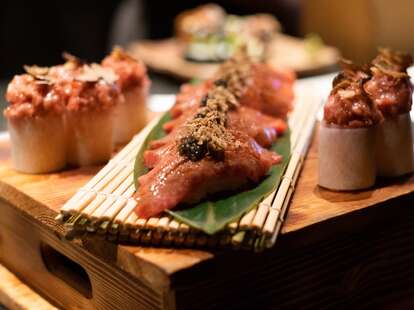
{"x": 105, "y": 206}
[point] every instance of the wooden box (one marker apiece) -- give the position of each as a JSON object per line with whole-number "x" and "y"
{"x": 336, "y": 250}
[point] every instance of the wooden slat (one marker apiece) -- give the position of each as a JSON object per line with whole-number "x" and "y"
{"x": 105, "y": 199}
{"x": 16, "y": 295}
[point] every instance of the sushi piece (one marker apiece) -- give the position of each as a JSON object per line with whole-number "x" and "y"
{"x": 202, "y": 21}
{"x": 347, "y": 134}
{"x": 257, "y": 85}
{"x": 130, "y": 115}
{"x": 189, "y": 97}
{"x": 34, "y": 116}
{"x": 209, "y": 34}
{"x": 262, "y": 128}
{"x": 261, "y": 26}
{"x": 218, "y": 147}
{"x": 391, "y": 90}
{"x": 395, "y": 146}
{"x": 92, "y": 97}
{"x": 177, "y": 179}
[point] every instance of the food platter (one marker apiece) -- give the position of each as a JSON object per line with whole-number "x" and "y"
{"x": 250, "y": 218}
{"x": 166, "y": 56}
{"x": 318, "y": 220}
{"x": 233, "y": 146}
{"x": 256, "y": 230}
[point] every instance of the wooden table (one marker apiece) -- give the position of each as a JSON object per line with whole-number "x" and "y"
{"x": 337, "y": 250}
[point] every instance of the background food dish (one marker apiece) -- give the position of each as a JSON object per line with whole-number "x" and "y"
{"x": 166, "y": 56}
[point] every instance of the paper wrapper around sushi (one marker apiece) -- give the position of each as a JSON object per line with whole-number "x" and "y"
{"x": 38, "y": 143}
{"x": 90, "y": 136}
{"x": 130, "y": 115}
{"x": 395, "y": 146}
{"x": 347, "y": 158}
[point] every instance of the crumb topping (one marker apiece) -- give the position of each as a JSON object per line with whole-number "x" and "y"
{"x": 205, "y": 135}
{"x": 236, "y": 72}
{"x": 390, "y": 87}
{"x": 130, "y": 71}
{"x": 349, "y": 105}
{"x": 72, "y": 86}
{"x": 392, "y": 63}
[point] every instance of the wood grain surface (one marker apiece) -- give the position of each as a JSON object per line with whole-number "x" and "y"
{"x": 123, "y": 276}
{"x": 16, "y": 295}
{"x": 312, "y": 204}
{"x": 43, "y": 195}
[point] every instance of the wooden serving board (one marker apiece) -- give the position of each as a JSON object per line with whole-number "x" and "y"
{"x": 330, "y": 245}
{"x": 166, "y": 56}
{"x": 15, "y": 295}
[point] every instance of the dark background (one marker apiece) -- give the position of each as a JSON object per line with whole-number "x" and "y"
{"x": 37, "y": 32}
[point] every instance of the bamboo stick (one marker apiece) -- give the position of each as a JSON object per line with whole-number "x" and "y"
{"x": 132, "y": 218}
{"x": 107, "y": 178}
{"x": 248, "y": 240}
{"x": 86, "y": 198}
{"x": 115, "y": 208}
{"x": 152, "y": 223}
{"x": 296, "y": 130}
{"x": 129, "y": 192}
{"x": 123, "y": 215}
{"x": 237, "y": 239}
{"x": 118, "y": 180}
{"x": 247, "y": 219}
{"x": 262, "y": 210}
{"x": 92, "y": 184}
{"x": 107, "y": 199}
{"x": 140, "y": 223}
{"x": 163, "y": 223}
{"x": 114, "y": 228}
{"x": 70, "y": 204}
{"x": 184, "y": 228}
{"x": 261, "y": 213}
{"x": 95, "y": 203}
{"x": 82, "y": 223}
{"x": 124, "y": 185}
{"x": 292, "y": 170}
{"x": 99, "y": 212}
{"x": 174, "y": 226}
{"x": 232, "y": 227}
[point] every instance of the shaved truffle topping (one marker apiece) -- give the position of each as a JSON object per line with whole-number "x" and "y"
{"x": 131, "y": 72}
{"x": 348, "y": 105}
{"x": 72, "y": 86}
{"x": 29, "y": 97}
{"x": 206, "y": 134}
{"x": 234, "y": 73}
{"x": 390, "y": 87}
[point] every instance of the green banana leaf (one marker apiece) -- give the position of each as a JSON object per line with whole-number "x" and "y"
{"x": 156, "y": 133}
{"x": 212, "y": 216}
